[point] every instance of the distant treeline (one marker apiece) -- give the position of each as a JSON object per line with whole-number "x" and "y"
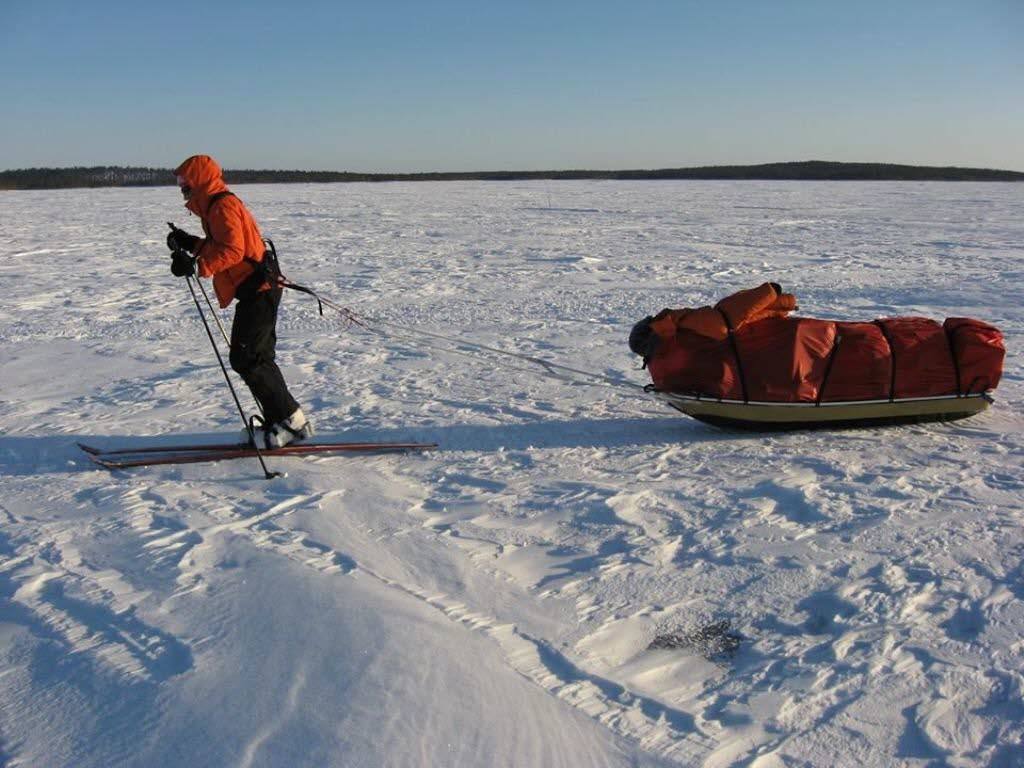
{"x": 814, "y": 170}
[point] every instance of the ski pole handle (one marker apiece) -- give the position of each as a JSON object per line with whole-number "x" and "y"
{"x": 172, "y": 241}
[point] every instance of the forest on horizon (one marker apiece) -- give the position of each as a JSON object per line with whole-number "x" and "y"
{"x": 814, "y": 170}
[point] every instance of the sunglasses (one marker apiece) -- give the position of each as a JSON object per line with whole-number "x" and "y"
{"x": 186, "y": 190}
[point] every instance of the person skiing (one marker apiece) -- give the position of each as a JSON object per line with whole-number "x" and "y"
{"x": 233, "y": 254}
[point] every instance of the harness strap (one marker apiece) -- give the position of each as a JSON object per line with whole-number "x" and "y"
{"x": 209, "y": 207}
{"x": 272, "y": 268}
{"x": 303, "y": 289}
{"x": 269, "y": 266}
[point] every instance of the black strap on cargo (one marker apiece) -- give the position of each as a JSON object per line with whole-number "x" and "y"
{"x": 950, "y": 334}
{"x": 736, "y": 353}
{"x": 828, "y": 366}
{"x": 892, "y": 359}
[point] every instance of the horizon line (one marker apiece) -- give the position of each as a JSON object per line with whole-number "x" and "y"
{"x": 107, "y": 176}
{"x": 435, "y": 172}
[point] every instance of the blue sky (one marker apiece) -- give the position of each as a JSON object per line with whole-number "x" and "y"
{"x": 421, "y": 86}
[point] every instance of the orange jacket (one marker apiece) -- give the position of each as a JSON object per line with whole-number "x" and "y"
{"x": 233, "y": 241}
{"x": 736, "y": 310}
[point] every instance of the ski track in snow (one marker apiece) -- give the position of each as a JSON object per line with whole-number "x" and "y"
{"x": 875, "y": 577}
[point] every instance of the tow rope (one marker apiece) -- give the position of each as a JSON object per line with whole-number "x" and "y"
{"x": 554, "y": 370}
{"x": 270, "y": 267}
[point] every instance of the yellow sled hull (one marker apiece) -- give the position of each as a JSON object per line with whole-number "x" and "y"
{"x": 776, "y": 416}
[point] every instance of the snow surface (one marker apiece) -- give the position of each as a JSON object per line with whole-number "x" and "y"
{"x": 495, "y": 602}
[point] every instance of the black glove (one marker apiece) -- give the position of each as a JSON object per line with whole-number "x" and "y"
{"x": 179, "y": 239}
{"x": 182, "y": 264}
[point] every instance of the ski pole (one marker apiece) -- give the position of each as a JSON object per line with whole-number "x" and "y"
{"x": 224, "y": 334}
{"x": 241, "y": 412}
{"x": 213, "y": 312}
{"x": 216, "y": 317}
{"x": 206, "y": 296}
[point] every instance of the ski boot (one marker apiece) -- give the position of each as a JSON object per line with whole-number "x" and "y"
{"x": 296, "y": 427}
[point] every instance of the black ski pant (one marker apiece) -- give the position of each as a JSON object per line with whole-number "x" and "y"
{"x": 253, "y": 339}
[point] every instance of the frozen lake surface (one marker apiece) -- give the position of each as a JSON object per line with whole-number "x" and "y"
{"x": 500, "y": 601}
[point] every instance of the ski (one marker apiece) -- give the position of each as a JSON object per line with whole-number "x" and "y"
{"x": 140, "y": 450}
{"x": 184, "y": 448}
{"x": 143, "y": 458}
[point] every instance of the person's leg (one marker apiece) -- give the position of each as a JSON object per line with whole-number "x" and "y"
{"x": 253, "y": 349}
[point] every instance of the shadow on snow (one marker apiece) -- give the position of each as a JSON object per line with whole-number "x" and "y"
{"x": 34, "y": 454}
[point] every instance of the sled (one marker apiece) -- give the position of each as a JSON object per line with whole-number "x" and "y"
{"x": 763, "y": 416}
{"x": 747, "y": 363}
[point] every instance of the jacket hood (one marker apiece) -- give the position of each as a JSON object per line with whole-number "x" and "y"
{"x": 205, "y": 177}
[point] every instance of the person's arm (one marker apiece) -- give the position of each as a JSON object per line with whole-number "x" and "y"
{"x": 226, "y": 245}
